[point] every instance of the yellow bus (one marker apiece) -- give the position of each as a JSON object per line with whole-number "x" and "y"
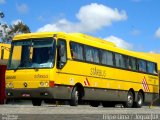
{"x": 75, "y": 67}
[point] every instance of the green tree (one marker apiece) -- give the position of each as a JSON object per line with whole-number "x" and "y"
{"x": 7, "y": 32}
{"x": 19, "y": 28}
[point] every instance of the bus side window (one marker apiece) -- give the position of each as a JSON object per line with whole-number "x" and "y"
{"x": 61, "y": 53}
{"x": 128, "y": 63}
{"x": 155, "y": 71}
{"x": 77, "y": 51}
{"x": 133, "y": 63}
{"x": 142, "y": 65}
{"x": 151, "y": 67}
{"x": 95, "y": 54}
{"x": 110, "y": 58}
{"x": 88, "y": 54}
{"x": 117, "y": 60}
{"x": 104, "y": 57}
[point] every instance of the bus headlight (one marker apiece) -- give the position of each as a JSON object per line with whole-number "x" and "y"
{"x": 9, "y": 85}
{"x": 44, "y": 84}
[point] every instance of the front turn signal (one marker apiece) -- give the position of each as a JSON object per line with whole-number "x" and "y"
{"x": 51, "y": 83}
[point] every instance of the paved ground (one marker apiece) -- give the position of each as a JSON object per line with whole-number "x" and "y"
{"x": 25, "y": 111}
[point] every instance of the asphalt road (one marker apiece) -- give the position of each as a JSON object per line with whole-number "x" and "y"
{"x": 25, "y": 111}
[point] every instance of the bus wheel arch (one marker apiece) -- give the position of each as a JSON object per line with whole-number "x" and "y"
{"x": 76, "y": 94}
{"x": 80, "y": 89}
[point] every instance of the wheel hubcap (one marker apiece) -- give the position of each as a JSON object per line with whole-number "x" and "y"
{"x": 76, "y": 96}
{"x": 140, "y": 100}
{"x": 130, "y": 99}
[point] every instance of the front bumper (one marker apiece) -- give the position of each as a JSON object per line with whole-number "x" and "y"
{"x": 61, "y": 92}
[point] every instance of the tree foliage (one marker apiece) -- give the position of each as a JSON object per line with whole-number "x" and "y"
{"x": 7, "y": 32}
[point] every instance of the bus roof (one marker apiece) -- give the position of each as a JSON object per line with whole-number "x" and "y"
{"x": 36, "y": 35}
{"x": 88, "y": 40}
{"x": 93, "y": 38}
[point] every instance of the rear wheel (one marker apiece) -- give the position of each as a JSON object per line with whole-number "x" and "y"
{"x": 94, "y": 103}
{"x": 140, "y": 99}
{"x": 130, "y": 99}
{"x": 74, "y": 97}
{"x": 36, "y": 102}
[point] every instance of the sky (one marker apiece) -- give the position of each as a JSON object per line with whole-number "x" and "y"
{"x": 130, "y": 24}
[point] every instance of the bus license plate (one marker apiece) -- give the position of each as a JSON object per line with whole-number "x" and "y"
{"x": 26, "y": 95}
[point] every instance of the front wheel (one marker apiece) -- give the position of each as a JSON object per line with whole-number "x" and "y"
{"x": 36, "y": 102}
{"x": 130, "y": 99}
{"x": 74, "y": 97}
{"x": 140, "y": 100}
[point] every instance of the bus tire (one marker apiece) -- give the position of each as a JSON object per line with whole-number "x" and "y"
{"x": 74, "y": 97}
{"x": 140, "y": 100}
{"x": 130, "y": 100}
{"x": 36, "y": 102}
{"x": 94, "y": 103}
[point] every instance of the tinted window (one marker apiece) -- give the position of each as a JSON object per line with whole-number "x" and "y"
{"x": 92, "y": 54}
{"x": 61, "y": 53}
{"x": 77, "y": 51}
{"x": 131, "y": 63}
{"x": 88, "y": 54}
{"x": 107, "y": 58}
{"x": 123, "y": 61}
{"x": 151, "y": 67}
{"x": 62, "y": 44}
{"x": 104, "y": 57}
{"x": 95, "y": 53}
{"x": 142, "y": 65}
{"x": 120, "y": 60}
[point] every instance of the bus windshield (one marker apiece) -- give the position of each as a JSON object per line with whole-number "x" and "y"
{"x": 32, "y": 53}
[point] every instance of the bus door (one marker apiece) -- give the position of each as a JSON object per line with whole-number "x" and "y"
{"x": 61, "y": 53}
